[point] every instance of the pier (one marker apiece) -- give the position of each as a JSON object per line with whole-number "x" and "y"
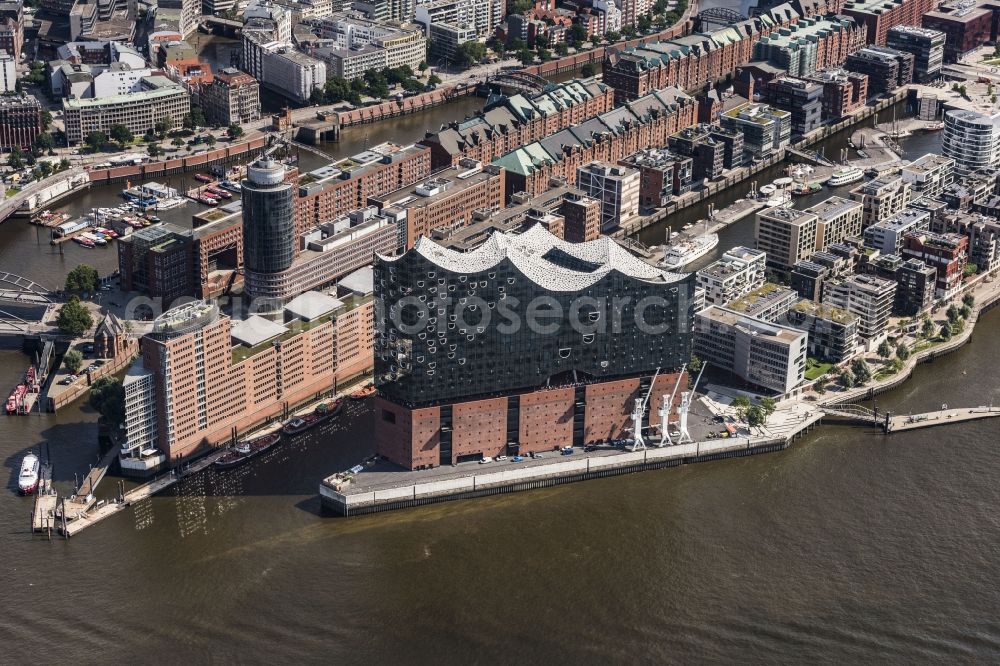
{"x": 940, "y": 417}
{"x": 43, "y": 516}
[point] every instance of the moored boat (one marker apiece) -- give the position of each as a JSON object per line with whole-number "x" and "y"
{"x": 845, "y": 176}
{"x": 681, "y": 254}
{"x": 27, "y": 478}
{"x": 202, "y": 178}
{"x": 247, "y": 449}
{"x": 363, "y": 393}
{"x": 300, "y": 424}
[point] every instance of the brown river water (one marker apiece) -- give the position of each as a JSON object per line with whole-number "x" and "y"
{"x": 850, "y": 546}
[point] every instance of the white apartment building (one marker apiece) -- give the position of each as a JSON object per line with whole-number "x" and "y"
{"x": 610, "y": 16}
{"x": 119, "y": 81}
{"x": 404, "y": 44}
{"x": 139, "y": 111}
{"x": 886, "y": 236}
{"x": 8, "y": 72}
{"x": 481, "y": 15}
{"x": 616, "y": 187}
{"x": 972, "y": 139}
{"x": 882, "y": 198}
{"x": 736, "y": 274}
{"x": 291, "y": 72}
{"x": 276, "y": 15}
{"x": 867, "y": 296}
{"x": 929, "y": 175}
{"x": 766, "y": 354}
{"x": 140, "y": 412}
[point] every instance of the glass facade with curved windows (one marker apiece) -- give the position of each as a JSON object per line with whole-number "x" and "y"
{"x": 972, "y": 139}
{"x": 522, "y": 312}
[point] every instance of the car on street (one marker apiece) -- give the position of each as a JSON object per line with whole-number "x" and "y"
{"x": 517, "y": 459}
{"x": 486, "y": 460}
{"x": 501, "y": 458}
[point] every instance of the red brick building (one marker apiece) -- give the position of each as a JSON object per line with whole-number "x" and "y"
{"x": 329, "y": 192}
{"x": 518, "y": 120}
{"x": 947, "y": 253}
{"x": 609, "y": 137}
{"x": 881, "y": 15}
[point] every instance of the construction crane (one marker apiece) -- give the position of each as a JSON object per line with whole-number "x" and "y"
{"x": 665, "y": 410}
{"x": 640, "y": 408}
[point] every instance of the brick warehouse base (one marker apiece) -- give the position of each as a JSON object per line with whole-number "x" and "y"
{"x": 530, "y": 422}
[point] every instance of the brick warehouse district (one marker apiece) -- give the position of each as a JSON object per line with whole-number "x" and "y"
{"x": 497, "y": 165}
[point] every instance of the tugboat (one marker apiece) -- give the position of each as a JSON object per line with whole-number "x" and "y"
{"x": 27, "y": 480}
{"x": 300, "y": 424}
{"x": 247, "y": 449}
{"x": 363, "y": 393}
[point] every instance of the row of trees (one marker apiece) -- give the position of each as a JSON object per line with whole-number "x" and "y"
{"x": 374, "y": 83}
{"x": 754, "y": 415}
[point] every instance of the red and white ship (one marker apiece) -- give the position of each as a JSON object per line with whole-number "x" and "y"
{"x": 27, "y": 480}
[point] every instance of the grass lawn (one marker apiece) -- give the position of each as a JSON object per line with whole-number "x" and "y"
{"x": 815, "y": 369}
{"x": 11, "y": 191}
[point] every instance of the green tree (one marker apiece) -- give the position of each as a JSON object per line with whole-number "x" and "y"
{"x": 846, "y": 379}
{"x": 587, "y": 70}
{"x": 927, "y": 329}
{"x": 15, "y": 159}
{"x": 211, "y": 140}
{"x": 895, "y": 365}
{"x": 177, "y": 141}
{"x": 741, "y": 403}
{"x": 577, "y": 34}
{"x": 526, "y": 57}
{"x": 74, "y": 318}
{"x": 96, "y": 140}
{"x": 561, "y": 49}
{"x": 965, "y": 311}
{"x": 81, "y": 279}
{"x": 44, "y": 141}
{"x": 108, "y": 397}
{"x": 612, "y": 36}
{"x": 768, "y": 405}
{"x": 73, "y": 360}
{"x": 234, "y": 131}
{"x": 198, "y": 117}
{"x": 902, "y": 352}
{"x": 969, "y": 300}
{"x": 433, "y": 80}
{"x": 644, "y": 23}
{"x": 862, "y": 373}
{"x": 122, "y": 134}
{"x": 46, "y": 119}
{"x": 694, "y": 365}
{"x": 43, "y": 170}
{"x": 470, "y": 53}
{"x": 164, "y": 125}
{"x": 885, "y": 349}
{"x": 952, "y": 313}
{"x": 154, "y": 150}
{"x": 946, "y": 331}
{"x": 520, "y": 6}
{"x": 820, "y": 386}
{"x": 755, "y": 416}
{"x": 64, "y": 164}
{"x": 422, "y": 66}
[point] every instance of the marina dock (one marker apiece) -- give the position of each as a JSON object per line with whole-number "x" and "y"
{"x": 43, "y": 515}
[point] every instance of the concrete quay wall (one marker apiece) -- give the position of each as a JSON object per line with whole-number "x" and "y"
{"x": 558, "y": 472}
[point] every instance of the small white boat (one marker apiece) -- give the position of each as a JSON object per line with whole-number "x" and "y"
{"x": 27, "y": 480}
{"x": 782, "y": 183}
{"x": 767, "y": 190}
{"x": 679, "y": 255}
{"x": 845, "y": 176}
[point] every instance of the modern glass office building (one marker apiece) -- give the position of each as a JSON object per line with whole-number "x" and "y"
{"x": 268, "y": 220}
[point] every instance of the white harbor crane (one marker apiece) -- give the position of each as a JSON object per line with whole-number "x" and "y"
{"x": 682, "y": 412}
{"x": 665, "y": 410}
{"x": 640, "y": 407}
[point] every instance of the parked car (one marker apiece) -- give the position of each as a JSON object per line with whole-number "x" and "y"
{"x": 566, "y": 451}
{"x": 517, "y": 459}
{"x": 589, "y": 448}
{"x": 99, "y": 362}
{"x": 485, "y": 460}
{"x": 501, "y": 458}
